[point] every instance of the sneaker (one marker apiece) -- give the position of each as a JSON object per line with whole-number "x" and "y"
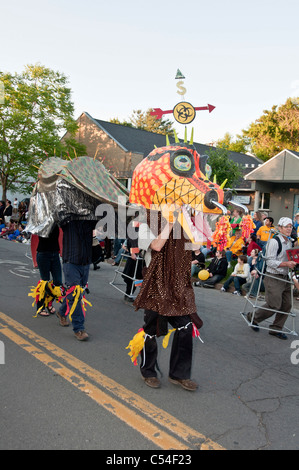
{"x": 63, "y": 321}
{"x": 187, "y": 384}
{"x": 223, "y": 289}
{"x": 81, "y": 335}
{"x": 278, "y": 335}
{"x": 236, "y": 292}
{"x": 152, "y": 382}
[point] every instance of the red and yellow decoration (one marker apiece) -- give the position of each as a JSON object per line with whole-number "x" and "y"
{"x": 247, "y": 226}
{"x": 46, "y": 291}
{"x": 78, "y": 293}
{"x": 221, "y": 234}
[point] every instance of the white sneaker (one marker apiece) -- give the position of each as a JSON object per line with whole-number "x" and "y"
{"x": 222, "y": 289}
{"x": 237, "y": 293}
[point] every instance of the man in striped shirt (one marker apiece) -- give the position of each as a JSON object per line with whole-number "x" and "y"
{"x": 277, "y": 288}
{"x": 77, "y": 257}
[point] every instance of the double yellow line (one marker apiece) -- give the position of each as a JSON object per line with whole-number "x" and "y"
{"x": 154, "y": 424}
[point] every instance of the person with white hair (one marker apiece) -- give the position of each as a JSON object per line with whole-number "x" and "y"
{"x": 278, "y": 290}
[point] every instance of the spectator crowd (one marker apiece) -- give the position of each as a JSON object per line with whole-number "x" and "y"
{"x": 239, "y": 263}
{"x": 13, "y": 219}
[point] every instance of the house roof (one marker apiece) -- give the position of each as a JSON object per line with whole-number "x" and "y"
{"x": 143, "y": 142}
{"x": 283, "y": 167}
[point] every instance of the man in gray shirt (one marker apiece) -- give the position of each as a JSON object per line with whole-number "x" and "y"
{"x": 277, "y": 288}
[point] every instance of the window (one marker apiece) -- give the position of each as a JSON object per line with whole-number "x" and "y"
{"x": 265, "y": 201}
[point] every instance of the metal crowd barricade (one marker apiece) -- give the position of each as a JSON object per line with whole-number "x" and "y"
{"x": 256, "y": 302}
{"x": 114, "y": 283}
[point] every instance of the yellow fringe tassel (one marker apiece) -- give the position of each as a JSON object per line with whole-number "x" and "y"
{"x": 40, "y": 293}
{"x": 166, "y": 339}
{"x": 55, "y": 291}
{"x": 76, "y": 293}
{"x": 84, "y": 302}
{"x": 136, "y": 345}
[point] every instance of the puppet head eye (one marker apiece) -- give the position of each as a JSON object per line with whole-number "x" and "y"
{"x": 182, "y": 163}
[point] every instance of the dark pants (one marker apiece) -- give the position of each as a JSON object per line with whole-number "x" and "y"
{"x": 74, "y": 275}
{"x": 238, "y": 282}
{"x": 49, "y": 268}
{"x": 181, "y": 351}
{"x": 278, "y": 294}
{"x": 211, "y": 281}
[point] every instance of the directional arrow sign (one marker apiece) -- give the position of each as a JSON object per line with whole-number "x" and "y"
{"x": 159, "y": 113}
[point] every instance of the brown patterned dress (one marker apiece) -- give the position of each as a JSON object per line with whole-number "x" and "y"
{"x": 167, "y": 287}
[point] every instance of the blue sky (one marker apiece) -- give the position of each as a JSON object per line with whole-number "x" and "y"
{"x": 241, "y": 57}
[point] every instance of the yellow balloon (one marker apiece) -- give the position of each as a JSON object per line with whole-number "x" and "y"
{"x": 203, "y": 275}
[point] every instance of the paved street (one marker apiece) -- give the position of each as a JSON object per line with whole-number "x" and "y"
{"x": 57, "y": 393}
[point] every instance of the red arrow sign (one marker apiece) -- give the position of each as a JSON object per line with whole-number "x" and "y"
{"x": 208, "y": 108}
{"x": 159, "y": 113}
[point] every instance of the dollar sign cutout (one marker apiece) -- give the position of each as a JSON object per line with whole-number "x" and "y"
{"x": 182, "y": 90}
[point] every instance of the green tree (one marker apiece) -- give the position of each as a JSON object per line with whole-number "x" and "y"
{"x": 239, "y": 145}
{"x": 37, "y": 109}
{"x": 223, "y": 168}
{"x": 277, "y": 129}
{"x": 143, "y": 120}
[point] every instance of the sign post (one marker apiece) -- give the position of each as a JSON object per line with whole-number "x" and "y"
{"x": 183, "y": 112}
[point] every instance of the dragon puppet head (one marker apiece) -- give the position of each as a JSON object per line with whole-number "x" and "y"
{"x": 173, "y": 179}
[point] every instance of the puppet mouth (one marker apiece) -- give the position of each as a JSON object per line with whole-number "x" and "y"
{"x": 197, "y": 225}
{"x": 182, "y": 191}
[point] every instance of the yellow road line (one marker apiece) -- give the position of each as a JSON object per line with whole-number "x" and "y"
{"x": 143, "y": 426}
{"x": 162, "y": 418}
